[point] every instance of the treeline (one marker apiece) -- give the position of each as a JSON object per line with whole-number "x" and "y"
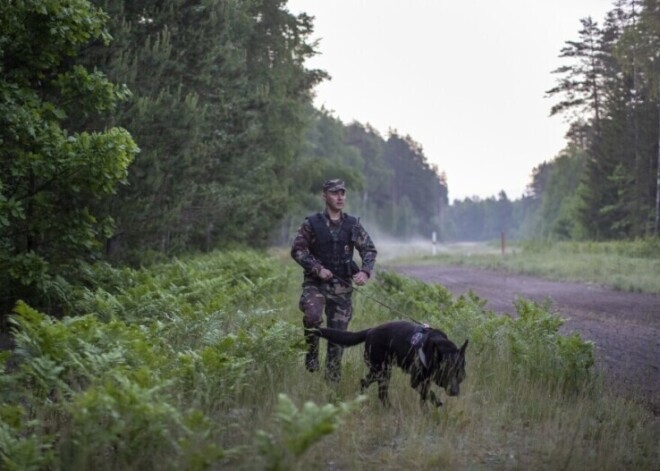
{"x": 231, "y": 147}
{"x": 391, "y": 183}
{"x": 133, "y": 130}
{"x": 606, "y": 184}
{"x": 136, "y": 129}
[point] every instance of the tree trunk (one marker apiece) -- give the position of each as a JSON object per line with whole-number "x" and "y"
{"x": 657, "y": 173}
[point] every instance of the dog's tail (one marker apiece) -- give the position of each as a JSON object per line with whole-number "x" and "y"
{"x": 343, "y": 337}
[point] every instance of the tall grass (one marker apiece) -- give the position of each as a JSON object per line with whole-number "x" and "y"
{"x": 624, "y": 265}
{"x": 197, "y": 364}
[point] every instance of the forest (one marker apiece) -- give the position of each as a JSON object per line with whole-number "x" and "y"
{"x": 143, "y": 129}
{"x": 133, "y": 131}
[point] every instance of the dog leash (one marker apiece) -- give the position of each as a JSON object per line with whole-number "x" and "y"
{"x": 378, "y": 301}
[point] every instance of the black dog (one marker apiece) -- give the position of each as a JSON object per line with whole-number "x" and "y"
{"x": 423, "y": 352}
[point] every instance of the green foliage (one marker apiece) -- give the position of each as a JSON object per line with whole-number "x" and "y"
{"x": 134, "y": 420}
{"x": 52, "y": 179}
{"x": 428, "y": 297}
{"x": 611, "y": 85}
{"x": 558, "y": 199}
{"x": 390, "y": 182}
{"x": 530, "y": 341}
{"x": 61, "y": 358}
{"x": 542, "y": 354}
{"x": 198, "y": 387}
{"x": 475, "y": 219}
{"x": 21, "y": 447}
{"x": 299, "y": 429}
{"x": 221, "y": 91}
{"x": 415, "y": 192}
{"x": 129, "y": 385}
{"x": 638, "y": 248}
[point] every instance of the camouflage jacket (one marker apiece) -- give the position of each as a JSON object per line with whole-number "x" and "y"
{"x": 302, "y": 243}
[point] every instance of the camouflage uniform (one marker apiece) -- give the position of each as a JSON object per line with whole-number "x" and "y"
{"x": 333, "y": 296}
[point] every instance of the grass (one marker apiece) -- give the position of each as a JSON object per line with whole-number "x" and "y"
{"x": 199, "y": 352}
{"x": 499, "y": 422}
{"x": 624, "y": 266}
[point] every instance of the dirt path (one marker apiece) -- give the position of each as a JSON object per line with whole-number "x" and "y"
{"x": 624, "y": 326}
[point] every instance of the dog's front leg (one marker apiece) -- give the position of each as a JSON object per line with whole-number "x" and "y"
{"x": 424, "y": 388}
{"x": 435, "y": 399}
{"x": 382, "y": 377}
{"x": 383, "y": 384}
{"x": 366, "y": 382}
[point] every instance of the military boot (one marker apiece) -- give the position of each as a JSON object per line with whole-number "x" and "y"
{"x": 312, "y": 355}
{"x": 333, "y": 363}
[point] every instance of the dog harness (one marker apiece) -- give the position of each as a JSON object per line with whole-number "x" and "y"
{"x": 417, "y": 342}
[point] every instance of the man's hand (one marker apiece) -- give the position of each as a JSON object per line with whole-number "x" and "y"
{"x": 360, "y": 278}
{"x": 325, "y": 274}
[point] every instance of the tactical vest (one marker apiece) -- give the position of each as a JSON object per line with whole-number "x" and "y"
{"x": 334, "y": 251}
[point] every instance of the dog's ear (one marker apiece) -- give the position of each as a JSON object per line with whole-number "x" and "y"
{"x": 442, "y": 347}
{"x": 463, "y": 347}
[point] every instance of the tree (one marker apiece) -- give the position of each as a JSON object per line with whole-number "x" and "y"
{"x": 418, "y": 181}
{"x": 558, "y": 218}
{"x": 580, "y": 83}
{"x": 643, "y": 39}
{"x": 324, "y": 154}
{"x": 467, "y": 218}
{"x": 222, "y": 94}
{"x": 376, "y": 174}
{"x": 50, "y": 178}
{"x": 618, "y": 184}
{"x": 611, "y": 89}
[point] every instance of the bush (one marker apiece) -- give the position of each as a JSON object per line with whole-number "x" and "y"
{"x": 530, "y": 342}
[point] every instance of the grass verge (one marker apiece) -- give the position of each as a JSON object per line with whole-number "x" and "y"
{"x": 624, "y": 266}
{"x": 198, "y": 364}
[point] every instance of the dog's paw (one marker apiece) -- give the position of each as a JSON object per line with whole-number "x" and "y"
{"x": 435, "y": 400}
{"x": 364, "y": 384}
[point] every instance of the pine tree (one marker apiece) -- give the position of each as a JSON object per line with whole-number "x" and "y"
{"x": 643, "y": 40}
{"x": 416, "y": 180}
{"x": 580, "y": 83}
{"x": 221, "y": 90}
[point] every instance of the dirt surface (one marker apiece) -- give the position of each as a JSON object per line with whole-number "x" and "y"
{"x": 625, "y": 327}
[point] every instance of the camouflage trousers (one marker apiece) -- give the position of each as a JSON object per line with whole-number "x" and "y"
{"x": 335, "y": 301}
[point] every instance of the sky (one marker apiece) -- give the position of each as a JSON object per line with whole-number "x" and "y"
{"x": 466, "y": 80}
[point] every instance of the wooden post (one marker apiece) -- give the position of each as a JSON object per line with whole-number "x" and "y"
{"x": 502, "y": 242}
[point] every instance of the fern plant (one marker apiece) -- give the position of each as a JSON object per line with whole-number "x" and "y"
{"x": 297, "y": 429}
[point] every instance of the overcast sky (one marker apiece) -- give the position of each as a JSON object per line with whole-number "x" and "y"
{"x": 466, "y": 79}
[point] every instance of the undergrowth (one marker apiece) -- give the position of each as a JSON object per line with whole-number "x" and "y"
{"x": 197, "y": 364}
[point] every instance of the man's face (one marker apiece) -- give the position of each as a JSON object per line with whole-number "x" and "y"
{"x": 334, "y": 200}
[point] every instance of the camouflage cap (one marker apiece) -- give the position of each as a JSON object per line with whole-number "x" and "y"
{"x": 334, "y": 185}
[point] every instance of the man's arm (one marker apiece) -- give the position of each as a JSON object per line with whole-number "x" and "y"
{"x": 300, "y": 249}
{"x": 367, "y": 250}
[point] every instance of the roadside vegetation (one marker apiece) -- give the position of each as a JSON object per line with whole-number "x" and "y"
{"x": 197, "y": 364}
{"x": 622, "y": 265}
